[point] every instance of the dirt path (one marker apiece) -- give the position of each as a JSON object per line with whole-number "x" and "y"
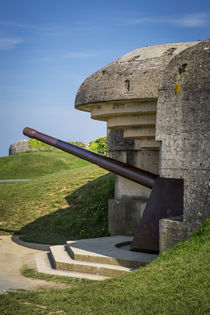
{"x": 13, "y": 257}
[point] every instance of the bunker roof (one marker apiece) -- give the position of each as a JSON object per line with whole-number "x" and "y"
{"x": 136, "y": 75}
{"x": 189, "y": 70}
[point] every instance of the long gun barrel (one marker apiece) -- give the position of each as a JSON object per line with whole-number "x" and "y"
{"x": 135, "y": 174}
{"x": 165, "y": 201}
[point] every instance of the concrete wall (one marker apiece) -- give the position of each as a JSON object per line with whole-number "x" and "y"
{"x": 183, "y": 127}
{"x": 130, "y": 199}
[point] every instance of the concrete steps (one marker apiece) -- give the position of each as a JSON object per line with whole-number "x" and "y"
{"x": 63, "y": 261}
{"x": 44, "y": 265}
{"x": 96, "y": 258}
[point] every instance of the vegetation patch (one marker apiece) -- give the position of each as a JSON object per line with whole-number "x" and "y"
{"x": 70, "y": 201}
{"x": 74, "y": 211}
{"x": 67, "y": 198}
{"x": 99, "y": 146}
{"x": 69, "y": 281}
{"x": 29, "y": 165}
{"x": 178, "y": 282}
{"x": 36, "y": 145}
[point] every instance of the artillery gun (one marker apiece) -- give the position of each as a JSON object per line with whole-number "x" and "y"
{"x": 165, "y": 201}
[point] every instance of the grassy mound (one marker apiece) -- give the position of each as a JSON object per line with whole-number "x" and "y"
{"x": 66, "y": 199}
{"x": 36, "y": 145}
{"x": 29, "y": 165}
{"x": 178, "y": 282}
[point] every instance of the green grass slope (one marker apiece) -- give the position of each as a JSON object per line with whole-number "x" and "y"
{"x": 28, "y": 165}
{"x": 66, "y": 199}
{"x": 178, "y": 282}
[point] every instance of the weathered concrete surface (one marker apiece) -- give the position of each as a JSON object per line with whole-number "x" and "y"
{"x": 124, "y": 94}
{"x": 109, "y": 250}
{"x": 183, "y": 126}
{"x": 134, "y": 76}
{"x": 126, "y": 209}
{"x": 95, "y": 258}
{"x": 18, "y": 147}
{"x": 44, "y": 265}
{"x": 63, "y": 261}
{"x": 172, "y": 231}
{"x": 124, "y": 215}
{"x": 13, "y": 258}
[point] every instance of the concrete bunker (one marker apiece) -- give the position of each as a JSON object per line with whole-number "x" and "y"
{"x": 125, "y": 94}
{"x": 182, "y": 130}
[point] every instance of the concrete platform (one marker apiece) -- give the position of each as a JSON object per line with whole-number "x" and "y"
{"x": 96, "y": 258}
{"x": 104, "y": 250}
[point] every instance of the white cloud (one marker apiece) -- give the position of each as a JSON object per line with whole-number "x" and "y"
{"x": 189, "y": 20}
{"x": 14, "y": 24}
{"x": 9, "y": 43}
{"x": 192, "y": 20}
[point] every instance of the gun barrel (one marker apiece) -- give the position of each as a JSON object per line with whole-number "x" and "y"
{"x": 135, "y": 174}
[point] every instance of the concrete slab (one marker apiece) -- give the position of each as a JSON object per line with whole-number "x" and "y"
{"x": 104, "y": 250}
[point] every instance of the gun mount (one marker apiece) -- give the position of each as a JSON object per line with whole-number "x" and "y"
{"x": 166, "y": 198}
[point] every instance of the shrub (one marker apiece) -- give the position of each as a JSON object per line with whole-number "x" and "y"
{"x": 99, "y": 146}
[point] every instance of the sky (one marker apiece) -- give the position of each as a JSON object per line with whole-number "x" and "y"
{"x": 48, "y": 47}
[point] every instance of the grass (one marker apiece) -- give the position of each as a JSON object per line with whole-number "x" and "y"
{"x": 69, "y": 281}
{"x": 177, "y": 282}
{"x": 36, "y": 145}
{"x": 67, "y": 198}
{"x": 29, "y": 165}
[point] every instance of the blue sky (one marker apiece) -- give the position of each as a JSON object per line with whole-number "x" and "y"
{"x": 48, "y": 47}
